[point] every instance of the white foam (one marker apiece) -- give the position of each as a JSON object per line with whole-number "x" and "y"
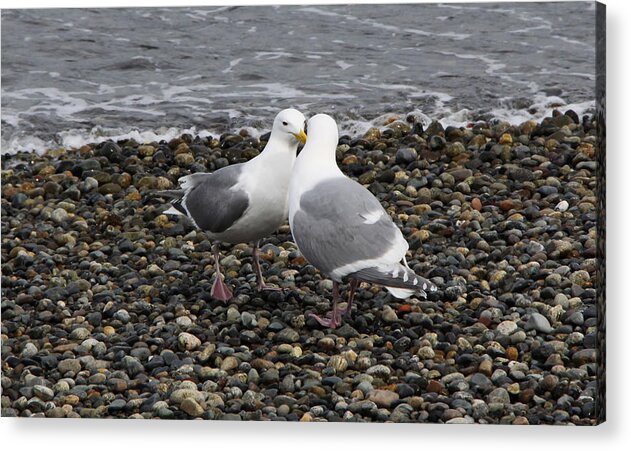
{"x": 232, "y": 64}
{"x": 573, "y": 41}
{"x": 265, "y": 56}
{"x": 542, "y": 107}
{"x": 343, "y": 65}
{"x": 529, "y": 29}
{"x": 27, "y": 143}
{"x": 394, "y": 29}
{"x": 74, "y": 139}
{"x": 353, "y": 125}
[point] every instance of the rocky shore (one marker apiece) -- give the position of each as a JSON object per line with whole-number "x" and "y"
{"x": 106, "y": 309}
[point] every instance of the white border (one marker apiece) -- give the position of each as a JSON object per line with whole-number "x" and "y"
{"x": 94, "y": 435}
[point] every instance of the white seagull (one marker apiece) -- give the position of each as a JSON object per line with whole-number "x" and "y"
{"x": 243, "y": 202}
{"x": 341, "y": 228}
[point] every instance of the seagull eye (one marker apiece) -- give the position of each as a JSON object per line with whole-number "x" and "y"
{"x": 285, "y": 123}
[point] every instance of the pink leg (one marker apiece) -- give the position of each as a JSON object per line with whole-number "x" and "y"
{"x": 351, "y": 295}
{"x": 334, "y": 317}
{"x": 261, "y": 285}
{"x": 220, "y": 290}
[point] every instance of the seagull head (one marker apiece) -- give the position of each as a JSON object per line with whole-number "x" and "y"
{"x": 290, "y": 124}
{"x": 322, "y": 131}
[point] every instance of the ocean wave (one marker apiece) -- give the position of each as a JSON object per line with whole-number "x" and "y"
{"x": 349, "y": 124}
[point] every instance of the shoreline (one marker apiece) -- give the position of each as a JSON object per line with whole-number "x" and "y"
{"x": 106, "y": 308}
{"x": 349, "y": 124}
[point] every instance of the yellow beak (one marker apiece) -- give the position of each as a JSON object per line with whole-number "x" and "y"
{"x": 301, "y": 136}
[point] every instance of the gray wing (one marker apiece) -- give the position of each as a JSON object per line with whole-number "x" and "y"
{"x": 340, "y": 222}
{"x": 211, "y": 200}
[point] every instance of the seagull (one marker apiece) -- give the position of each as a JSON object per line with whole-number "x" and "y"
{"x": 341, "y": 228}
{"x": 243, "y": 202}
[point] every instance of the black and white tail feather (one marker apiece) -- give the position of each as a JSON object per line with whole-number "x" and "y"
{"x": 178, "y": 196}
{"x": 398, "y": 279}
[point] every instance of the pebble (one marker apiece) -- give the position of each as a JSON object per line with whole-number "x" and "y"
{"x": 507, "y": 327}
{"x": 584, "y": 356}
{"x": 229, "y": 363}
{"x": 109, "y": 330}
{"x": 233, "y": 315}
{"x": 44, "y": 393}
{"x": 539, "y": 323}
{"x": 288, "y": 335}
{"x": 179, "y": 395}
{"x": 406, "y": 155}
{"x": 248, "y": 319}
{"x": 379, "y": 371}
{"x": 338, "y": 362}
{"x": 184, "y": 322}
{"x": 80, "y": 333}
{"x": 382, "y": 398}
{"x": 426, "y": 353}
{"x": 29, "y": 350}
{"x": 562, "y": 206}
{"x": 69, "y": 365}
{"x": 188, "y": 342}
{"x": 122, "y": 315}
{"x": 191, "y": 407}
{"x": 388, "y": 314}
{"x": 59, "y": 215}
{"x": 506, "y": 138}
{"x": 580, "y": 278}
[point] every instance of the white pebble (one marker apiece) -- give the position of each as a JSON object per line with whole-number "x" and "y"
{"x": 562, "y": 206}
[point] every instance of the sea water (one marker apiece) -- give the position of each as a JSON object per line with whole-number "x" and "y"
{"x": 72, "y": 76}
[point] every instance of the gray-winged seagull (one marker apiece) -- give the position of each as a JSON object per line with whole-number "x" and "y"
{"x": 341, "y": 228}
{"x": 243, "y": 202}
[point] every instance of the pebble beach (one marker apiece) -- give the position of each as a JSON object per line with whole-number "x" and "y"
{"x": 106, "y": 311}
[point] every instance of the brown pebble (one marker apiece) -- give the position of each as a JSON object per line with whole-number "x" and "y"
{"x": 422, "y": 235}
{"x": 383, "y": 398}
{"x": 261, "y": 364}
{"x": 230, "y": 363}
{"x": 163, "y": 183}
{"x": 350, "y": 159}
{"x": 512, "y": 353}
{"x": 192, "y": 407}
{"x": 526, "y": 395}
{"x": 117, "y": 385}
{"x": 390, "y": 120}
{"x": 476, "y": 204}
{"x": 47, "y": 170}
{"x": 486, "y": 367}
{"x": 434, "y": 386}
{"x": 506, "y": 139}
{"x": 515, "y": 217}
{"x": 307, "y": 417}
{"x": 506, "y": 204}
{"x": 134, "y": 196}
{"x": 73, "y": 400}
{"x": 109, "y": 330}
{"x": 522, "y": 421}
{"x": 513, "y": 389}
{"x": 182, "y": 147}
